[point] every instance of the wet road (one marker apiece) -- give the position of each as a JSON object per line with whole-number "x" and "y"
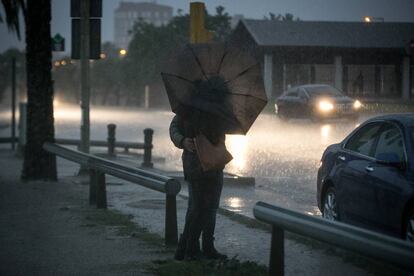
{"x": 282, "y": 156}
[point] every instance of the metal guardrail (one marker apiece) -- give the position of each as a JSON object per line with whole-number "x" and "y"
{"x": 98, "y": 167}
{"x": 111, "y": 144}
{"x": 364, "y": 242}
{"x": 101, "y": 143}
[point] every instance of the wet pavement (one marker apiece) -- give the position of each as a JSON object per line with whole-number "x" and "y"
{"x": 235, "y": 238}
{"x": 283, "y": 157}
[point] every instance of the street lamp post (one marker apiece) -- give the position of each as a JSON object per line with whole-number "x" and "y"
{"x": 85, "y": 75}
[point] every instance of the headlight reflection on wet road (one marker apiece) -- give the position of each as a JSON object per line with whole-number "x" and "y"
{"x": 235, "y": 203}
{"x": 237, "y": 145}
{"x": 325, "y": 133}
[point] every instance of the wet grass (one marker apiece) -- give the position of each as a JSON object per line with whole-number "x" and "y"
{"x": 231, "y": 267}
{"x": 124, "y": 225}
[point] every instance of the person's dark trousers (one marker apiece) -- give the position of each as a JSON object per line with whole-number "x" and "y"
{"x": 204, "y": 199}
{"x": 182, "y": 243}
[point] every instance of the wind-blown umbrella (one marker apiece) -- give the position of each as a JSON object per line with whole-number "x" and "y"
{"x": 216, "y": 80}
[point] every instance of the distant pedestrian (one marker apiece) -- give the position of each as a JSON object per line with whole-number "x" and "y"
{"x": 204, "y": 188}
{"x": 358, "y": 85}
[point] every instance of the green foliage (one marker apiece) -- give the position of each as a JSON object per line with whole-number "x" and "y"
{"x": 114, "y": 77}
{"x": 281, "y": 17}
{"x": 12, "y": 9}
{"x": 151, "y": 45}
{"x": 230, "y": 267}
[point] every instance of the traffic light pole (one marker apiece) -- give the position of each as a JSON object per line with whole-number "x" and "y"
{"x": 85, "y": 75}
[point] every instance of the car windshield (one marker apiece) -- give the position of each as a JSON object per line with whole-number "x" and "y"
{"x": 321, "y": 91}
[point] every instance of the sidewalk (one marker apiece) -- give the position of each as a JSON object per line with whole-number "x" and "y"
{"x": 49, "y": 229}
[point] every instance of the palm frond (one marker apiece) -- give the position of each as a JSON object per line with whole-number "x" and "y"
{"x": 12, "y": 10}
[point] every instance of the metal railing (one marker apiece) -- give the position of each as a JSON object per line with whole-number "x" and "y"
{"x": 390, "y": 250}
{"x": 111, "y": 143}
{"x": 99, "y": 167}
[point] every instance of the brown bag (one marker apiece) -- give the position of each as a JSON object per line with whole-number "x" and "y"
{"x": 212, "y": 157}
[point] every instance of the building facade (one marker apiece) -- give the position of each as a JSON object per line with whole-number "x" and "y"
{"x": 364, "y": 60}
{"x": 128, "y": 13}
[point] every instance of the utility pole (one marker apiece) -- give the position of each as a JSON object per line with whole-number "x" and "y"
{"x": 13, "y": 102}
{"x": 85, "y": 74}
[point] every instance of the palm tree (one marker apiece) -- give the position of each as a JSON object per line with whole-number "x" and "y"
{"x": 38, "y": 164}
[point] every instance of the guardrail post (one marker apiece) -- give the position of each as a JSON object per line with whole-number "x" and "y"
{"x": 171, "y": 231}
{"x": 101, "y": 191}
{"x": 277, "y": 252}
{"x": 93, "y": 184}
{"x": 148, "y": 132}
{"x": 111, "y": 139}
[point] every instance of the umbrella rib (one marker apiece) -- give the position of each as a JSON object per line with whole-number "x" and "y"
{"x": 198, "y": 62}
{"x": 221, "y": 61}
{"x": 178, "y": 77}
{"x": 246, "y": 95}
{"x": 242, "y": 73}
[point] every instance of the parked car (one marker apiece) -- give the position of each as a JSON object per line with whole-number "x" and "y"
{"x": 368, "y": 179}
{"x": 316, "y": 101}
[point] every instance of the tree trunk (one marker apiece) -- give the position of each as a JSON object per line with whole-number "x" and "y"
{"x": 38, "y": 164}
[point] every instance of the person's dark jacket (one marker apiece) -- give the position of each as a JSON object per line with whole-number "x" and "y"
{"x": 180, "y": 129}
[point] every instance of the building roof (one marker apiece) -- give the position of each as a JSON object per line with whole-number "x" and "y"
{"x": 141, "y": 6}
{"x": 330, "y": 34}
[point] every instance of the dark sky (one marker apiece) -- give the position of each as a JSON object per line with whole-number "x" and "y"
{"x": 327, "y": 10}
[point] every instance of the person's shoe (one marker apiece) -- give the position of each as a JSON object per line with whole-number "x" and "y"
{"x": 209, "y": 251}
{"x": 213, "y": 254}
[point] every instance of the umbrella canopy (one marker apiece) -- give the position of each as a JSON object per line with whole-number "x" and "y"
{"x": 217, "y": 81}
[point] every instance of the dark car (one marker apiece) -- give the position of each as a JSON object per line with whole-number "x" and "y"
{"x": 368, "y": 179}
{"x": 316, "y": 101}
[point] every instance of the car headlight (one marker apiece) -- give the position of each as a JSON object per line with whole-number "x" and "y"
{"x": 357, "y": 104}
{"x": 325, "y": 106}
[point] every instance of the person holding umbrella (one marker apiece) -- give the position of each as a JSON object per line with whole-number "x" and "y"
{"x": 204, "y": 189}
{"x": 214, "y": 89}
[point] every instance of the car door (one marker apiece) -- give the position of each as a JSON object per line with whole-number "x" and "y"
{"x": 351, "y": 163}
{"x": 292, "y": 102}
{"x": 303, "y": 103}
{"x": 386, "y": 182}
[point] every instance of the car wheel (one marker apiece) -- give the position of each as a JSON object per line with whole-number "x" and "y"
{"x": 330, "y": 205}
{"x": 408, "y": 228}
